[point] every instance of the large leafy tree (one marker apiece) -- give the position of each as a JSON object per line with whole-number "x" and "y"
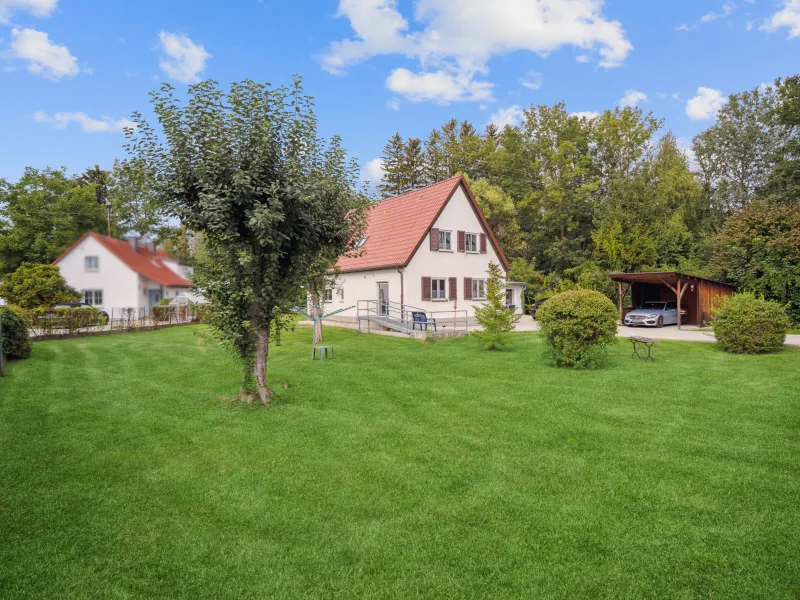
{"x": 759, "y": 250}
{"x": 737, "y": 153}
{"x": 783, "y": 184}
{"x": 248, "y": 170}
{"x": 134, "y": 201}
{"x": 42, "y": 214}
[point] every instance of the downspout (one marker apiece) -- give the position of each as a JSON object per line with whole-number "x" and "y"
{"x": 402, "y": 295}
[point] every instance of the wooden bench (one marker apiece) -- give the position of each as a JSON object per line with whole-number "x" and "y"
{"x": 646, "y": 342}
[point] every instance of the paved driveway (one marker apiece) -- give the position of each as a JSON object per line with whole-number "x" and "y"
{"x": 669, "y": 332}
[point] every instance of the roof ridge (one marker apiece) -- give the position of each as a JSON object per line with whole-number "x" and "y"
{"x": 406, "y": 193}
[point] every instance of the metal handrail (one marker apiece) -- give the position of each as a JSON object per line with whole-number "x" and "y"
{"x": 371, "y": 309}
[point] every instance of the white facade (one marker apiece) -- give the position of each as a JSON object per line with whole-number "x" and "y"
{"x": 108, "y": 283}
{"x": 405, "y": 285}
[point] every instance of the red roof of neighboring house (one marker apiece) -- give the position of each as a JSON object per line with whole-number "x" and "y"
{"x": 142, "y": 260}
{"x": 397, "y": 226}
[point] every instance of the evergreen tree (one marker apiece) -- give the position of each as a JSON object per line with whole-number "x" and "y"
{"x": 413, "y": 165}
{"x": 394, "y": 181}
{"x": 496, "y": 321}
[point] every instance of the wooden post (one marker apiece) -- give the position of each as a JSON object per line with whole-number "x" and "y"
{"x": 679, "y": 303}
{"x": 619, "y": 288}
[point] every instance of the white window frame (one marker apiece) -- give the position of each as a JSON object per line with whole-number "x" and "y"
{"x": 328, "y": 294}
{"x": 445, "y": 240}
{"x": 91, "y": 297}
{"x": 435, "y": 291}
{"x": 477, "y": 284}
{"x": 96, "y": 260}
{"x": 475, "y": 237}
{"x": 340, "y": 293}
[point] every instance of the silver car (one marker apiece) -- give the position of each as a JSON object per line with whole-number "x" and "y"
{"x": 653, "y": 314}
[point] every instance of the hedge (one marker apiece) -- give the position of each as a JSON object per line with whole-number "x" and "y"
{"x": 16, "y": 337}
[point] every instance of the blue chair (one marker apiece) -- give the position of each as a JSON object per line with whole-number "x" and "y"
{"x": 421, "y": 319}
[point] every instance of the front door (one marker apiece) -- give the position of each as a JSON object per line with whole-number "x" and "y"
{"x": 153, "y": 298}
{"x": 383, "y": 299}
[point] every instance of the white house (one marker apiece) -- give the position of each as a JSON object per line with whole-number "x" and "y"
{"x": 113, "y": 273}
{"x": 427, "y": 249}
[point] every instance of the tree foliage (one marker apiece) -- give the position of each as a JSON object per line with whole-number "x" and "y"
{"x": 35, "y": 285}
{"x": 273, "y": 200}
{"x": 16, "y": 340}
{"x": 42, "y": 214}
{"x": 496, "y": 320}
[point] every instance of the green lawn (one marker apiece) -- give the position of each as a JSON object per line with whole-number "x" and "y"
{"x": 398, "y": 470}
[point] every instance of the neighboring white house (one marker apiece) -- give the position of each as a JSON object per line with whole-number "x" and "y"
{"x": 426, "y": 249}
{"x": 112, "y": 273}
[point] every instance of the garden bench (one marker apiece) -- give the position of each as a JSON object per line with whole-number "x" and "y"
{"x": 314, "y": 350}
{"x": 646, "y": 343}
{"x": 421, "y": 319}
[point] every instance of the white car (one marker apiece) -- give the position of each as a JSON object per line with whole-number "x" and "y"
{"x": 654, "y": 314}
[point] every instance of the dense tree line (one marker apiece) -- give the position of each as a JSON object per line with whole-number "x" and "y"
{"x": 571, "y": 198}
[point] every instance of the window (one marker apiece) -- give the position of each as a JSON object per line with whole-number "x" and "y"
{"x": 93, "y": 297}
{"x": 328, "y": 295}
{"x": 92, "y": 263}
{"x": 479, "y": 289}
{"x": 340, "y": 293}
{"x": 438, "y": 287}
{"x": 471, "y": 242}
{"x": 361, "y": 242}
{"x": 444, "y": 240}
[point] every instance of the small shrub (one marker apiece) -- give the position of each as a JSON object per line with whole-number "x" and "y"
{"x": 16, "y": 339}
{"x": 31, "y": 286}
{"x": 750, "y": 325}
{"x": 496, "y": 321}
{"x": 578, "y": 326}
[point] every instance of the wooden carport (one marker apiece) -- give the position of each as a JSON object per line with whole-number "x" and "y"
{"x": 695, "y": 295}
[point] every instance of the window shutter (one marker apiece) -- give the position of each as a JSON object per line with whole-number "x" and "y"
{"x": 434, "y": 240}
{"x": 453, "y": 288}
{"x": 467, "y": 288}
{"x": 483, "y": 243}
{"x": 462, "y": 244}
{"x": 426, "y": 288}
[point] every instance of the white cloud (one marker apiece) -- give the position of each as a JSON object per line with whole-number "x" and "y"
{"x": 394, "y": 104}
{"x": 507, "y": 116}
{"x": 583, "y": 58}
{"x": 727, "y": 9}
{"x": 38, "y": 8}
{"x": 42, "y": 56}
{"x": 439, "y": 86}
{"x": 705, "y": 104}
{"x": 459, "y": 37}
{"x": 788, "y": 17}
{"x": 633, "y": 98}
{"x": 532, "y": 81}
{"x": 372, "y": 171}
{"x": 585, "y": 114}
{"x": 184, "y": 60}
{"x": 60, "y": 120}
{"x": 676, "y": 96}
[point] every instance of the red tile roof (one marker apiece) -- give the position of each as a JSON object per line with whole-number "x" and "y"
{"x": 142, "y": 261}
{"x": 397, "y": 226}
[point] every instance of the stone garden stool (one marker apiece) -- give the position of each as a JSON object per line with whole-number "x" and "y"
{"x": 314, "y": 350}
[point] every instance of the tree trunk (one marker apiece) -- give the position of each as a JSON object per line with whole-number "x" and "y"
{"x": 264, "y": 391}
{"x": 316, "y": 311}
{"x": 317, "y": 330}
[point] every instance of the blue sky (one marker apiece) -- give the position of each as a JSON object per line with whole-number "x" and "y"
{"x": 72, "y": 71}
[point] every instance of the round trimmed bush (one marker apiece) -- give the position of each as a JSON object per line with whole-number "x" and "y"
{"x": 578, "y": 326}
{"x": 16, "y": 341}
{"x": 750, "y": 325}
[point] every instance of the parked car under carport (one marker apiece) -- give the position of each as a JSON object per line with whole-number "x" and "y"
{"x": 655, "y": 314}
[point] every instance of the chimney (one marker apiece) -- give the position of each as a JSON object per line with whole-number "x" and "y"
{"x": 133, "y": 242}
{"x": 151, "y": 247}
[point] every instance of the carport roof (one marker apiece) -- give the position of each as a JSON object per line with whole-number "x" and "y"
{"x": 658, "y": 277}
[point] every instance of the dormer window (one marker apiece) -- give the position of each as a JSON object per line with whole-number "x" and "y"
{"x": 444, "y": 240}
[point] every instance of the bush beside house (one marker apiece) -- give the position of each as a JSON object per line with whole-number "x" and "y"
{"x": 578, "y": 326}
{"x": 16, "y": 341}
{"x": 33, "y": 286}
{"x": 747, "y": 324}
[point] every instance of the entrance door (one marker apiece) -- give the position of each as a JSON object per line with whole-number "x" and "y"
{"x": 153, "y": 298}
{"x": 383, "y": 299}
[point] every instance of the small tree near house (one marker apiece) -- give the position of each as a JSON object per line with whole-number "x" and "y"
{"x": 273, "y": 201}
{"x": 497, "y": 321}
